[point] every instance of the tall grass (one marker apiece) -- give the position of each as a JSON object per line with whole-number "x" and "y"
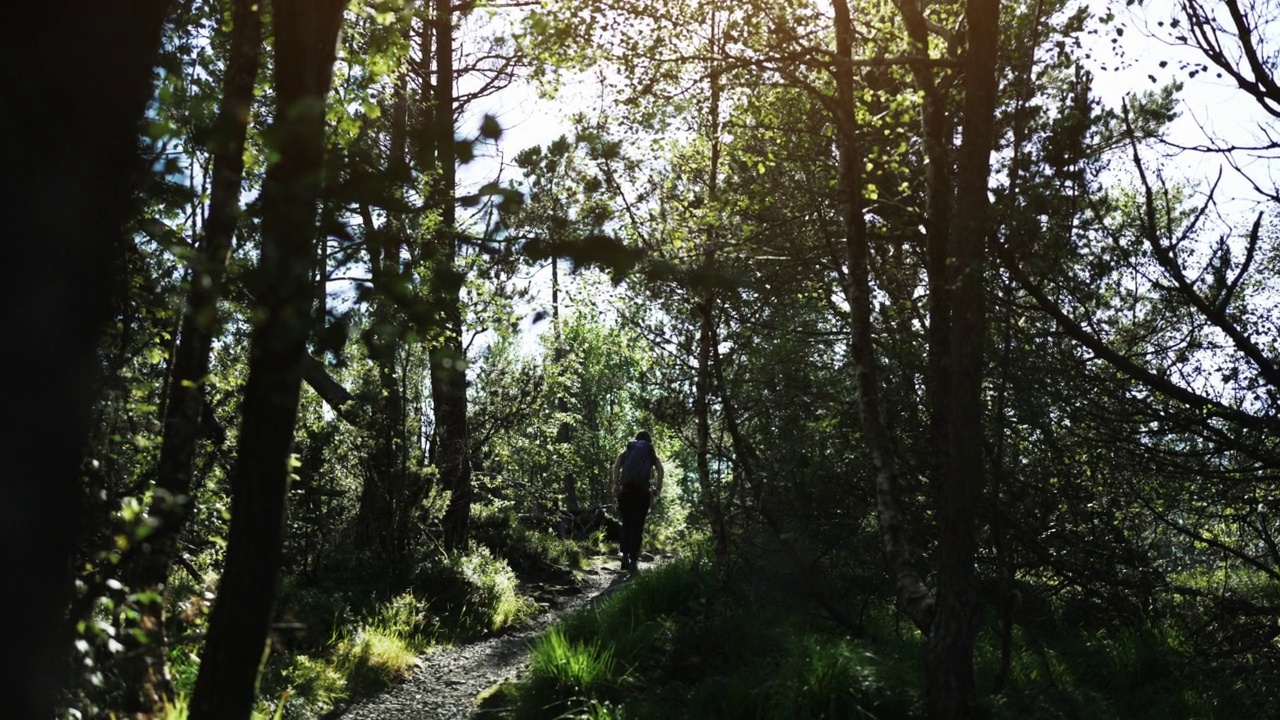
{"x": 374, "y": 657}
{"x": 568, "y": 676}
{"x": 650, "y": 652}
{"x": 592, "y": 660}
{"x": 477, "y": 592}
{"x": 1112, "y": 673}
{"x": 655, "y": 650}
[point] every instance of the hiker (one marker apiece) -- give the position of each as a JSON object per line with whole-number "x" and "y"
{"x": 637, "y": 481}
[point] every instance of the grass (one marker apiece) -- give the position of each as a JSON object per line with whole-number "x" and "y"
{"x": 569, "y": 675}
{"x": 656, "y": 650}
{"x": 1113, "y": 673}
{"x": 595, "y": 658}
{"x": 453, "y": 597}
{"x": 374, "y": 658}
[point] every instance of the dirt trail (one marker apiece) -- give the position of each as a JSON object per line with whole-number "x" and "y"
{"x": 451, "y": 678}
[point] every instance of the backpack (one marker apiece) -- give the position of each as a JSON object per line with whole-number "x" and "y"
{"x": 637, "y": 463}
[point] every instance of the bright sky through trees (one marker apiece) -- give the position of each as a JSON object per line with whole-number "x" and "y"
{"x": 1144, "y": 48}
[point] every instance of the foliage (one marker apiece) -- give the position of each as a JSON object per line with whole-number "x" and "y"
{"x": 1141, "y": 672}
{"x": 660, "y": 648}
{"x": 525, "y": 544}
{"x": 477, "y": 591}
{"x": 374, "y": 657}
{"x": 1128, "y": 526}
{"x": 592, "y": 384}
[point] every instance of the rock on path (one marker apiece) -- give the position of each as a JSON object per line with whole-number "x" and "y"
{"x": 450, "y": 679}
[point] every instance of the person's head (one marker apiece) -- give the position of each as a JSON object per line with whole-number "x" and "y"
{"x": 644, "y": 435}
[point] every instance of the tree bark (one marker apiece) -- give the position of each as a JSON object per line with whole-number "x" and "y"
{"x": 711, "y": 502}
{"x": 913, "y": 597}
{"x": 949, "y": 651}
{"x": 935, "y": 133}
{"x": 171, "y": 502}
{"x": 306, "y": 33}
{"x": 386, "y": 498}
{"x": 77, "y": 77}
{"x": 448, "y": 357}
{"x": 564, "y": 433}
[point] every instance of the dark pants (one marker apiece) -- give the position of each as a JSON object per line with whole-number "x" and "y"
{"x": 633, "y": 506}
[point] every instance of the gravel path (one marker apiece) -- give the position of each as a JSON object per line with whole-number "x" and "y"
{"x": 446, "y": 686}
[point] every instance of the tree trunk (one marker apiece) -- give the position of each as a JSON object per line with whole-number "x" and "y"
{"x": 913, "y": 597}
{"x": 305, "y": 38}
{"x": 935, "y": 132}
{"x": 386, "y": 495}
{"x": 949, "y": 652}
{"x": 448, "y": 357}
{"x": 171, "y": 502}
{"x": 711, "y": 503}
{"x": 77, "y": 76}
{"x": 564, "y": 433}
{"x": 391, "y": 488}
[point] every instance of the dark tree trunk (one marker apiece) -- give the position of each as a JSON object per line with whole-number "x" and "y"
{"x": 448, "y": 358}
{"x": 709, "y": 494}
{"x": 306, "y": 34}
{"x": 386, "y": 498}
{"x": 77, "y": 76}
{"x": 564, "y": 433}
{"x": 391, "y": 489}
{"x": 935, "y": 132}
{"x": 182, "y": 422}
{"x": 949, "y": 651}
{"x": 453, "y": 456}
{"x": 913, "y": 597}
{"x": 704, "y": 308}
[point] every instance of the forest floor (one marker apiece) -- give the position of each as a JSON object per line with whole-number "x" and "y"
{"x": 450, "y": 678}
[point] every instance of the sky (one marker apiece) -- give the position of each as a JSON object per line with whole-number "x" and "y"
{"x": 1210, "y": 105}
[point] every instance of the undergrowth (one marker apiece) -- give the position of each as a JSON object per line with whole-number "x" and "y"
{"x": 660, "y": 649}
{"x": 374, "y": 640}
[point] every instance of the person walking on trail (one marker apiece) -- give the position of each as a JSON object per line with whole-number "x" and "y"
{"x": 637, "y": 481}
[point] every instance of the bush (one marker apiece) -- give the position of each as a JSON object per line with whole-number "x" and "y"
{"x": 477, "y": 592}
{"x": 498, "y": 528}
{"x": 1112, "y": 672}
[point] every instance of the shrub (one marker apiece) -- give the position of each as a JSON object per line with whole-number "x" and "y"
{"x": 1112, "y": 672}
{"x": 498, "y": 528}
{"x": 478, "y": 592}
{"x": 310, "y": 688}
